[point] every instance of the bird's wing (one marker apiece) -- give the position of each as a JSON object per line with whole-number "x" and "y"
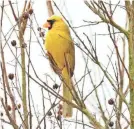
{"x": 53, "y": 63}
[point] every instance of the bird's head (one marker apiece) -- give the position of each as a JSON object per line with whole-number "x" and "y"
{"x": 54, "y": 22}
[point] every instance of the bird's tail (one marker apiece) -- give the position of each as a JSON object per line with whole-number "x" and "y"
{"x": 67, "y": 89}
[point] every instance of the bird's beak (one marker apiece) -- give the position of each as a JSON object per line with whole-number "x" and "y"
{"x": 47, "y": 25}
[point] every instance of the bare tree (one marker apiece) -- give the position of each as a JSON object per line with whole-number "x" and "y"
{"x": 16, "y": 87}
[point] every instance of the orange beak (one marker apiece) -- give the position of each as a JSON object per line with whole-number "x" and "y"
{"x": 47, "y": 25}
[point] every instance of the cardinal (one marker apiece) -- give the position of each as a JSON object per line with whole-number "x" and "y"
{"x": 61, "y": 55}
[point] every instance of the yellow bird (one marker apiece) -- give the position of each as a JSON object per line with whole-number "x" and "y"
{"x": 61, "y": 54}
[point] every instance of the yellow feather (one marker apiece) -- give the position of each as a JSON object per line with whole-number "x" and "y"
{"x": 59, "y": 44}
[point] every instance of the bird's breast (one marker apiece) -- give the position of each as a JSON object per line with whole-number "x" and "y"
{"x": 57, "y": 43}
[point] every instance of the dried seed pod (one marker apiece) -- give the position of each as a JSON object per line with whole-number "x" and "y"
{"x": 111, "y": 123}
{"x": 39, "y": 28}
{"x": 13, "y": 42}
{"x": 11, "y": 76}
{"x": 55, "y": 86}
{"x": 30, "y": 11}
{"x": 111, "y": 101}
{"x": 49, "y": 113}
{"x": 25, "y": 15}
{"x": 41, "y": 34}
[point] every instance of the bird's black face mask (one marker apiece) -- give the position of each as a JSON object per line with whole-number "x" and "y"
{"x": 51, "y": 23}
